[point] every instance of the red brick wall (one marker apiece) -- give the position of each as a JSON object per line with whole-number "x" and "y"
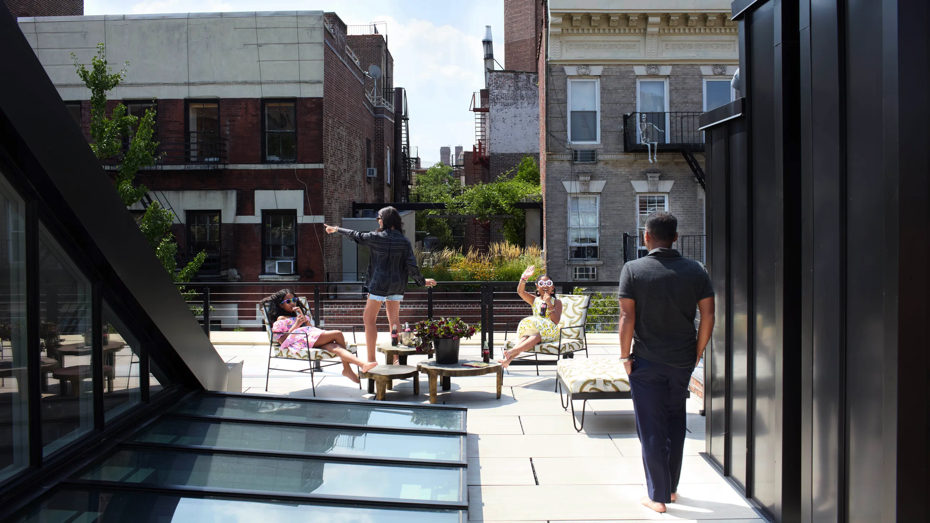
{"x": 348, "y": 119}
{"x": 25, "y": 8}
{"x": 522, "y": 21}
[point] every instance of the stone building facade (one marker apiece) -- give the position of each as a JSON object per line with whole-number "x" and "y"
{"x": 607, "y": 70}
{"x": 269, "y": 127}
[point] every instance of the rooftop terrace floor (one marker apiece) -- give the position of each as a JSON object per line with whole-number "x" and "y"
{"x": 525, "y": 460}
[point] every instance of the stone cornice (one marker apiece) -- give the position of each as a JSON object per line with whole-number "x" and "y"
{"x": 613, "y": 22}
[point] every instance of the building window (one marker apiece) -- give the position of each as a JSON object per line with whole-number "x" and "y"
{"x": 583, "y": 227}
{"x": 652, "y": 102}
{"x": 387, "y": 165}
{"x": 717, "y": 93}
{"x": 584, "y": 273}
{"x": 137, "y": 109}
{"x": 74, "y": 109}
{"x": 647, "y": 204}
{"x": 203, "y": 232}
{"x": 280, "y": 125}
{"x": 584, "y": 125}
{"x": 279, "y": 242}
{"x": 203, "y": 120}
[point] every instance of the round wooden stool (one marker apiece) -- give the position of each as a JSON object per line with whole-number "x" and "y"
{"x": 383, "y": 375}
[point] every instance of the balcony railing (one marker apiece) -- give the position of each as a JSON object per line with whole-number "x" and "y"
{"x": 494, "y": 306}
{"x": 671, "y": 132}
{"x": 215, "y": 266}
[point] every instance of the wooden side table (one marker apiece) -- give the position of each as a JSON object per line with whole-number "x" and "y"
{"x": 76, "y": 374}
{"x": 434, "y": 371}
{"x": 383, "y": 375}
{"x": 401, "y": 351}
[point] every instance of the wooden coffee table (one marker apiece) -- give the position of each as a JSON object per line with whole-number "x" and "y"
{"x": 383, "y": 375}
{"x": 76, "y": 374}
{"x": 434, "y": 371}
{"x": 401, "y": 352}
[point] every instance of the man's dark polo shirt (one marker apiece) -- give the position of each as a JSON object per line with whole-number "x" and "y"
{"x": 666, "y": 288}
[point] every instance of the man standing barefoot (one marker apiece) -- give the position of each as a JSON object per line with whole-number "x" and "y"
{"x": 658, "y": 298}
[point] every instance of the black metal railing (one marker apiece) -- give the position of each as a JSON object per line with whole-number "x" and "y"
{"x": 672, "y": 132}
{"x": 199, "y": 148}
{"x": 494, "y": 307}
{"x": 691, "y": 246}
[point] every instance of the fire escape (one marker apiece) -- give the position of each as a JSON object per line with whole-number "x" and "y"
{"x": 409, "y": 161}
{"x": 480, "y": 108}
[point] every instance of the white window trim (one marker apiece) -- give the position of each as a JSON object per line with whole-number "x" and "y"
{"x": 387, "y": 167}
{"x": 575, "y": 270}
{"x": 597, "y": 105}
{"x": 639, "y": 245}
{"x": 663, "y": 79}
{"x": 717, "y": 79}
{"x": 597, "y": 204}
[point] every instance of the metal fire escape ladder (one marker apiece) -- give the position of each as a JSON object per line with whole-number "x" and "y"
{"x": 480, "y": 149}
{"x": 695, "y": 167}
{"x": 407, "y": 165}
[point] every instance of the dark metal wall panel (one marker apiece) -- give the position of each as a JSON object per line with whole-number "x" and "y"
{"x": 864, "y": 327}
{"x": 715, "y": 365}
{"x": 828, "y": 250}
{"x": 766, "y": 232}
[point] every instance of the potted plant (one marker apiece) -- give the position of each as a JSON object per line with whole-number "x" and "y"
{"x": 444, "y": 334}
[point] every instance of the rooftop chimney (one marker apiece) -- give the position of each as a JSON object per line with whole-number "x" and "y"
{"x": 488, "y": 44}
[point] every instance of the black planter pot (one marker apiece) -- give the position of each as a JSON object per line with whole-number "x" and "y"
{"x": 447, "y": 351}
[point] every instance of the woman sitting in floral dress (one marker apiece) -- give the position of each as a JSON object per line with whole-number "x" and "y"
{"x": 542, "y": 326}
{"x": 291, "y": 319}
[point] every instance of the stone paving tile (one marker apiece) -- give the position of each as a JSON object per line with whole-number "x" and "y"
{"x": 590, "y": 471}
{"x": 628, "y": 445}
{"x": 500, "y": 471}
{"x": 563, "y": 502}
{"x": 578, "y": 445}
{"x": 709, "y": 502}
{"x": 539, "y": 407}
{"x": 488, "y": 425}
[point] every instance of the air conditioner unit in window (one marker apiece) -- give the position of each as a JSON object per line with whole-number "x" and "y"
{"x": 584, "y": 155}
{"x": 284, "y": 267}
{"x": 371, "y": 172}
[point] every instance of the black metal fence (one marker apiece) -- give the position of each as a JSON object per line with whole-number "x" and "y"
{"x": 691, "y": 246}
{"x": 675, "y": 131}
{"x": 494, "y": 307}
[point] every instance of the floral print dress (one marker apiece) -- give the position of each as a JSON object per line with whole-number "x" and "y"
{"x": 536, "y": 323}
{"x": 295, "y": 342}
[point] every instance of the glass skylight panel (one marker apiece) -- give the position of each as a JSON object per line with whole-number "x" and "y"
{"x": 277, "y": 409}
{"x": 320, "y": 440}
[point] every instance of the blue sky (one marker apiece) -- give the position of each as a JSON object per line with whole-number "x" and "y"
{"x": 436, "y": 46}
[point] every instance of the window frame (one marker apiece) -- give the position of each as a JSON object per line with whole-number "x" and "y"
{"x": 387, "y": 164}
{"x": 219, "y": 241}
{"x": 584, "y": 268}
{"x": 640, "y": 244}
{"x": 718, "y": 79}
{"x": 265, "y": 131}
{"x": 80, "y": 106}
{"x": 127, "y": 139}
{"x": 597, "y": 226}
{"x": 188, "y": 155}
{"x": 265, "y": 258}
{"x": 664, "y": 80}
{"x": 597, "y": 110}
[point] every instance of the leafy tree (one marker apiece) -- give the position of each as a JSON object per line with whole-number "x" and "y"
{"x": 107, "y": 135}
{"x": 436, "y": 185}
{"x": 484, "y": 200}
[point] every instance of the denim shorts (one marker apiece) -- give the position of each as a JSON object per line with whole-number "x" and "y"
{"x": 393, "y": 297}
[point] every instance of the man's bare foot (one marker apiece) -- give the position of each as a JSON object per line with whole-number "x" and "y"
{"x": 674, "y": 497}
{"x": 351, "y": 375}
{"x": 368, "y": 366}
{"x": 648, "y": 503}
{"x": 396, "y": 360}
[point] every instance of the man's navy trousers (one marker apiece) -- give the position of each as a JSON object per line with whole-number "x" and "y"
{"x": 660, "y": 393}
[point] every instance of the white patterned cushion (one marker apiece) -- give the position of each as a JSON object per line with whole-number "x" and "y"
{"x": 574, "y": 312}
{"x": 311, "y": 354}
{"x": 568, "y": 345}
{"x": 594, "y": 375}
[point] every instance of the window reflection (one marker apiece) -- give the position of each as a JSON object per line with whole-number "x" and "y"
{"x": 64, "y": 317}
{"x": 14, "y": 426}
{"x": 121, "y": 352}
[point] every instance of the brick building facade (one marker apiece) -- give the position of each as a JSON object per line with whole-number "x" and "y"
{"x": 258, "y": 154}
{"x": 30, "y": 8}
{"x": 607, "y": 70}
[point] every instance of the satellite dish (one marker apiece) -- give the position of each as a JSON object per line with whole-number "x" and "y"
{"x": 374, "y": 71}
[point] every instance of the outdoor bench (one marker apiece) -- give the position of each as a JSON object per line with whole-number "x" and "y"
{"x": 591, "y": 379}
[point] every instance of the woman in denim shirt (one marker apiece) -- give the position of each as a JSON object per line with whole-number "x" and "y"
{"x": 392, "y": 261}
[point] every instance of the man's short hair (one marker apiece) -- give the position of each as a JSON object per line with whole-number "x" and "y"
{"x": 662, "y": 226}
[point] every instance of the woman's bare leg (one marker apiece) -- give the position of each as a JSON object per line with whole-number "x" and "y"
{"x": 393, "y": 313}
{"x": 526, "y": 343}
{"x": 331, "y": 337}
{"x": 349, "y": 359}
{"x": 370, "y": 318}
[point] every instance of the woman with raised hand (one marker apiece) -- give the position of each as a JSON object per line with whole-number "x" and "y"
{"x": 293, "y": 330}
{"x": 542, "y": 326}
{"x": 391, "y": 262}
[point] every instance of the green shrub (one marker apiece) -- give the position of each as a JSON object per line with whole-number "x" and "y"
{"x": 603, "y": 312}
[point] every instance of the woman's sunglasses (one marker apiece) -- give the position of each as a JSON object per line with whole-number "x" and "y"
{"x": 544, "y": 283}
{"x": 295, "y": 301}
